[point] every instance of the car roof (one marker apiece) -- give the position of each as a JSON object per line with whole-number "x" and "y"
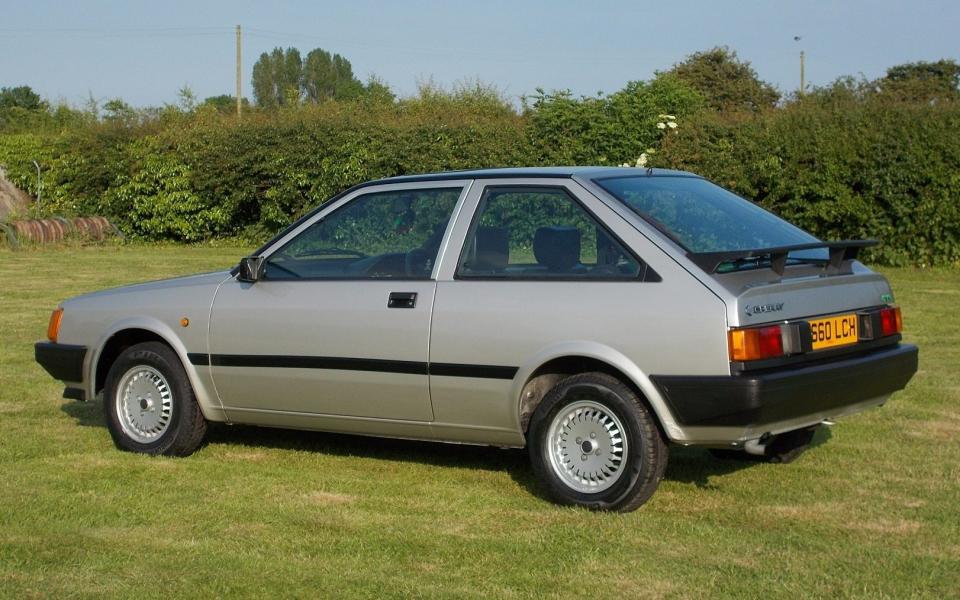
{"x": 534, "y": 172}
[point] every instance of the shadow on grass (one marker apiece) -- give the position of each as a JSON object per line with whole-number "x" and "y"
{"x": 692, "y": 465}
{"x": 697, "y": 465}
{"x": 88, "y": 414}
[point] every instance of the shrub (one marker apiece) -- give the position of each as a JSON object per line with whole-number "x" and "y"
{"x": 606, "y": 130}
{"x": 847, "y": 161}
{"x": 842, "y": 168}
{"x": 159, "y": 199}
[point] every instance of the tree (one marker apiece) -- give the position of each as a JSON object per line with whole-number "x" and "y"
{"x": 118, "y": 111}
{"x": 21, "y": 97}
{"x": 281, "y": 78}
{"x": 275, "y": 76}
{"x": 225, "y": 103}
{"x": 292, "y": 74}
{"x": 188, "y": 99}
{"x": 327, "y": 76}
{"x": 376, "y": 91}
{"x": 727, "y": 83}
{"x": 923, "y": 80}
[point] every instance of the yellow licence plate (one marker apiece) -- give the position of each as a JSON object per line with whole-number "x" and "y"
{"x": 839, "y": 330}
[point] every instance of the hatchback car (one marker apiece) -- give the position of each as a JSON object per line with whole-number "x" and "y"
{"x": 593, "y": 315}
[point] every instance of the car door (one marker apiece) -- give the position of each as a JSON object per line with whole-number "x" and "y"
{"x": 338, "y": 323}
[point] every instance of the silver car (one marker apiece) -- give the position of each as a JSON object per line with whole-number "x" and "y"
{"x": 592, "y": 315}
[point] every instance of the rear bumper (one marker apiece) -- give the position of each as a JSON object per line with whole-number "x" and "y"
{"x": 751, "y": 401}
{"x": 62, "y": 361}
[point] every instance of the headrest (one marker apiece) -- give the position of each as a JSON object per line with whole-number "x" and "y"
{"x": 492, "y": 250}
{"x": 557, "y": 248}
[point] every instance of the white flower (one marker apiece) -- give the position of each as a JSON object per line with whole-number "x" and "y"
{"x": 626, "y": 165}
{"x": 672, "y": 125}
{"x": 642, "y": 161}
{"x": 661, "y": 125}
{"x": 667, "y": 117}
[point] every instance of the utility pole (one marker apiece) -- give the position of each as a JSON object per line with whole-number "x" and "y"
{"x": 803, "y": 84}
{"x": 239, "y": 87}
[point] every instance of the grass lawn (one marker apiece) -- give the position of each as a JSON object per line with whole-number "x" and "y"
{"x": 872, "y": 511}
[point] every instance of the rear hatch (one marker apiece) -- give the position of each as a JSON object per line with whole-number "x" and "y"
{"x": 791, "y": 298}
{"x": 812, "y": 312}
{"x": 761, "y": 296}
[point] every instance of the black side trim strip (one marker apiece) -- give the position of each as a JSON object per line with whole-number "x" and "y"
{"x": 478, "y": 371}
{"x": 353, "y": 364}
{"x": 319, "y": 362}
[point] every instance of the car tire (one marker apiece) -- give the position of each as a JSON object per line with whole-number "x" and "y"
{"x": 149, "y": 404}
{"x": 594, "y": 443}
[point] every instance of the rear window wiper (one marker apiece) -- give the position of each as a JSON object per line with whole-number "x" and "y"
{"x": 741, "y": 264}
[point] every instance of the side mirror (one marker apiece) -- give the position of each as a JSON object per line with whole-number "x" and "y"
{"x": 251, "y": 269}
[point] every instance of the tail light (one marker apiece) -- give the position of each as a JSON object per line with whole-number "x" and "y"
{"x": 754, "y": 343}
{"x": 890, "y": 321}
{"x": 53, "y": 328}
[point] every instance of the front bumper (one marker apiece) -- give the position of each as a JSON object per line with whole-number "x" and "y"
{"x": 752, "y": 401}
{"x": 62, "y": 361}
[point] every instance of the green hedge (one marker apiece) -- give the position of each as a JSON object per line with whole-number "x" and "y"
{"x": 839, "y": 165}
{"x": 212, "y": 177}
{"x": 842, "y": 168}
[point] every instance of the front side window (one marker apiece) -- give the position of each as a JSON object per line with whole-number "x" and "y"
{"x": 382, "y": 235}
{"x": 541, "y": 233}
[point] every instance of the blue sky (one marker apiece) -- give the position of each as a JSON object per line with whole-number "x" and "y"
{"x": 145, "y": 51}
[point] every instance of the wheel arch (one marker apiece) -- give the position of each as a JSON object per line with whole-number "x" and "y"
{"x": 129, "y": 332}
{"x": 114, "y": 347}
{"x": 540, "y": 374}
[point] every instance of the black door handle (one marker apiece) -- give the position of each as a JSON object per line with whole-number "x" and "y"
{"x": 402, "y": 300}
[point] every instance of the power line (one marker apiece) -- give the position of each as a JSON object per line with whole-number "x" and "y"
{"x": 487, "y": 55}
{"x": 112, "y": 32}
{"x": 112, "y": 29}
{"x": 484, "y": 55}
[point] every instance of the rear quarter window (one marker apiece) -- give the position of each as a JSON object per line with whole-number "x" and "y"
{"x": 542, "y": 233}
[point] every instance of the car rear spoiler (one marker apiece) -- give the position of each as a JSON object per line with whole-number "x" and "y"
{"x": 839, "y": 252}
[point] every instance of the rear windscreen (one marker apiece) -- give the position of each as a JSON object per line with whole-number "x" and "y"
{"x": 703, "y": 217}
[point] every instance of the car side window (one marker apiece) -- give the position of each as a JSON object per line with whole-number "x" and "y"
{"x": 381, "y": 235}
{"x": 542, "y": 233}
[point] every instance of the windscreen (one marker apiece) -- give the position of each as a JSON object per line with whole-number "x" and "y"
{"x": 703, "y": 217}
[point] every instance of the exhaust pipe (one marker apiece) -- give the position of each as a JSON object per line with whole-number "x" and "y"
{"x": 757, "y": 447}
